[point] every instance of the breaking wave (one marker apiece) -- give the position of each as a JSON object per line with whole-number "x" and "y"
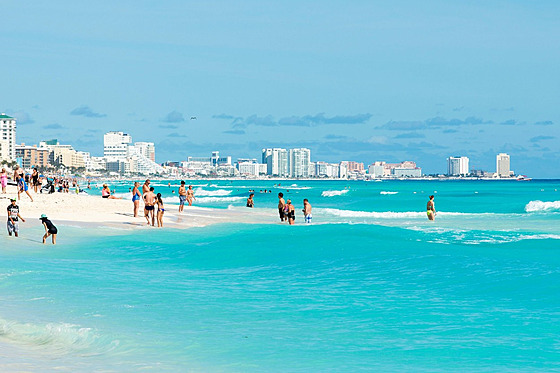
{"x": 218, "y": 199}
{"x": 218, "y": 192}
{"x": 332, "y": 193}
{"x": 535, "y": 206}
{"x": 61, "y": 338}
{"x": 386, "y": 192}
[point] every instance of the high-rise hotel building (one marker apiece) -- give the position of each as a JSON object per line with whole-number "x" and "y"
{"x": 7, "y": 138}
{"x": 457, "y": 166}
{"x": 502, "y": 165}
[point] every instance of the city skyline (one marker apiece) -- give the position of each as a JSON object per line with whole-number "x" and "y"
{"x": 400, "y": 81}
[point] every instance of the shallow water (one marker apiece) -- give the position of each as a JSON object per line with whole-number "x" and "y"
{"x": 371, "y": 285}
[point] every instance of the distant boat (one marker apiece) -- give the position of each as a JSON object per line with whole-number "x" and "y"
{"x": 523, "y": 178}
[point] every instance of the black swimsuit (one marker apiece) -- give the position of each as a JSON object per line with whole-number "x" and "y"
{"x": 50, "y": 226}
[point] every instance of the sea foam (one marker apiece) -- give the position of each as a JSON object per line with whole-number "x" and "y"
{"x": 332, "y": 193}
{"x": 535, "y": 206}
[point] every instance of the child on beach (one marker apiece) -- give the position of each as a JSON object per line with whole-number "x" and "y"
{"x": 161, "y": 210}
{"x": 50, "y": 229}
{"x": 13, "y": 216}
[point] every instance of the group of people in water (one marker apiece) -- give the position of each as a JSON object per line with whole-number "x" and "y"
{"x": 287, "y": 211}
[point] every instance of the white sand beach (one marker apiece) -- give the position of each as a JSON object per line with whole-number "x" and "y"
{"x": 95, "y": 211}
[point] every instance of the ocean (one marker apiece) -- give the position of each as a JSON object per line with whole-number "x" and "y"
{"x": 370, "y": 285}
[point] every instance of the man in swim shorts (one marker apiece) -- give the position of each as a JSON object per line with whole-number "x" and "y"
{"x": 13, "y": 217}
{"x": 307, "y": 211}
{"x": 182, "y": 196}
{"x": 149, "y": 202}
{"x": 281, "y": 206}
{"x": 431, "y": 209}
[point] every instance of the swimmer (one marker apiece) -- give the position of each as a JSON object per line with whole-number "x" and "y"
{"x": 250, "y": 201}
{"x": 431, "y": 208}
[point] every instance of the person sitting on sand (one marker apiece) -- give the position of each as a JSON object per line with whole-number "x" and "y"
{"x": 50, "y": 229}
{"x": 190, "y": 195}
{"x": 13, "y": 217}
{"x": 149, "y": 202}
{"x": 431, "y": 209}
{"x": 250, "y": 201}
{"x": 290, "y": 212}
{"x": 160, "y": 211}
{"x": 136, "y": 198}
{"x": 106, "y": 193}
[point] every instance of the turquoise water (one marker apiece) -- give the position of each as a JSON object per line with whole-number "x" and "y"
{"x": 371, "y": 285}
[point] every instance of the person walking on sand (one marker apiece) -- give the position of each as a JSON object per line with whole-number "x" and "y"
{"x": 23, "y": 187}
{"x": 149, "y": 202}
{"x": 50, "y": 229}
{"x": 4, "y": 180}
{"x": 307, "y": 211}
{"x": 431, "y": 209}
{"x": 136, "y": 196}
{"x": 13, "y": 217}
{"x": 281, "y": 206}
{"x": 190, "y": 195}
{"x": 290, "y": 212}
{"x": 160, "y": 211}
{"x": 182, "y": 196}
{"x": 250, "y": 201}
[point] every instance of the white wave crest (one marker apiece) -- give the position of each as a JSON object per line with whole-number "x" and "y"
{"x": 386, "y": 192}
{"x": 332, "y": 193}
{"x": 535, "y": 206}
{"x": 219, "y": 199}
{"x": 373, "y": 214}
{"x": 218, "y": 192}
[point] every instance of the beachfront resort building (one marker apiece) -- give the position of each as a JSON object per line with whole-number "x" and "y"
{"x": 7, "y": 137}
{"x": 397, "y": 170}
{"x": 458, "y": 166}
{"x": 276, "y": 160}
{"x": 298, "y": 162}
{"x": 123, "y": 157}
{"x": 503, "y": 165}
{"x": 29, "y": 156}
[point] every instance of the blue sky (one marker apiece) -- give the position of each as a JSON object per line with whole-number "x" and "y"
{"x": 359, "y": 80}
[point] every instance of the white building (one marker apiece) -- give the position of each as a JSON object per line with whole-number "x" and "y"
{"x": 277, "y": 161}
{"x": 298, "y": 162}
{"x": 147, "y": 149}
{"x": 503, "y": 165}
{"x": 377, "y": 169}
{"x": 115, "y": 144}
{"x": 7, "y": 137}
{"x": 343, "y": 170}
{"x": 407, "y": 172}
{"x": 248, "y": 169}
{"x": 458, "y": 166}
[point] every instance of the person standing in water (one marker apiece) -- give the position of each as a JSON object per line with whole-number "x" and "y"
{"x": 290, "y": 212}
{"x": 190, "y": 195}
{"x": 50, "y": 229}
{"x": 182, "y": 196}
{"x": 281, "y": 206}
{"x": 250, "y": 201}
{"x": 13, "y": 217}
{"x": 431, "y": 208}
{"x": 307, "y": 211}
{"x": 136, "y": 196}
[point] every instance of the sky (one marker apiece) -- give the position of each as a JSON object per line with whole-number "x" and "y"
{"x": 351, "y": 80}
